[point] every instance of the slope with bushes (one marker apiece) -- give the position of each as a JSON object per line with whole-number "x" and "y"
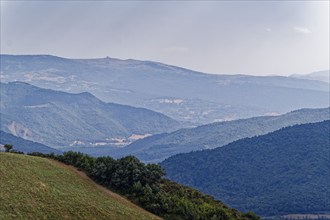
{"x": 146, "y": 187}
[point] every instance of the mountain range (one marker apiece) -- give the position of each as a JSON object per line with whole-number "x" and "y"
{"x": 185, "y": 95}
{"x": 60, "y": 119}
{"x": 283, "y": 172}
{"x": 320, "y": 76}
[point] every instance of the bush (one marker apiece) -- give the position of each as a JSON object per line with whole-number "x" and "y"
{"x": 8, "y": 147}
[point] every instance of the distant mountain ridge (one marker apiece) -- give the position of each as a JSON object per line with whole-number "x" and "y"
{"x": 25, "y": 146}
{"x": 182, "y": 94}
{"x": 320, "y": 75}
{"x": 60, "y": 119}
{"x": 283, "y": 172}
{"x": 161, "y": 146}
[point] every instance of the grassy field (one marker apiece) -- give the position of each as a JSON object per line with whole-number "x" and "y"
{"x": 39, "y": 188}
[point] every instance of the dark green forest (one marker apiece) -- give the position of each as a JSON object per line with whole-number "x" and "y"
{"x": 283, "y": 172}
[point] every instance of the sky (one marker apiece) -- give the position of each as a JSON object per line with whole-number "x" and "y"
{"x": 221, "y": 37}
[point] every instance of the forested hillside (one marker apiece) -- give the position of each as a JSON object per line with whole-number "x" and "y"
{"x": 278, "y": 173}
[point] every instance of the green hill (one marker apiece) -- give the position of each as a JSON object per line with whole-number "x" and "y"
{"x": 39, "y": 188}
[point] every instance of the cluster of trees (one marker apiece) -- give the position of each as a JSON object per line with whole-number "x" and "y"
{"x": 145, "y": 185}
{"x": 9, "y": 148}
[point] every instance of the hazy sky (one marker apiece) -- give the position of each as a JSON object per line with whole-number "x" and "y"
{"x": 251, "y": 37}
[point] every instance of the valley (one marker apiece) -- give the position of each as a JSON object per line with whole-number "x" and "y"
{"x": 199, "y": 98}
{"x": 156, "y": 148}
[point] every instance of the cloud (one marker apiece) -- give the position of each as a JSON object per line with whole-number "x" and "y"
{"x": 302, "y": 30}
{"x": 175, "y": 49}
{"x": 268, "y": 29}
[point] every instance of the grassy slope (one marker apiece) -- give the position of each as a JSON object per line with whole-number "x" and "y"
{"x": 39, "y": 188}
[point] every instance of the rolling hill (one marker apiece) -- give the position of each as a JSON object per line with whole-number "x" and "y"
{"x": 25, "y": 146}
{"x": 283, "y": 172}
{"x": 59, "y": 119}
{"x": 161, "y": 146}
{"x": 182, "y": 94}
{"x": 39, "y": 188}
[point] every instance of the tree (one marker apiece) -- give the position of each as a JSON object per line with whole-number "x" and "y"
{"x": 8, "y": 147}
